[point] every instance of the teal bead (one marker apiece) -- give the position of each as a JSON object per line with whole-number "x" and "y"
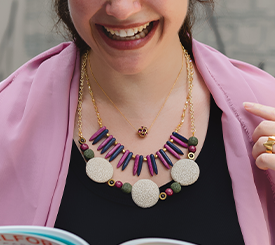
{"x": 89, "y": 154}
{"x": 193, "y": 141}
{"x": 176, "y": 187}
{"x": 126, "y": 188}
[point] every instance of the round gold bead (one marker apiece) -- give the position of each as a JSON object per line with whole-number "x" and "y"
{"x": 191, "y": 155}
{"x": 156, "y": 156}
{"x": 133, "y": 156}
{"x": 164, "y": 149}
{"x": 171, "y": 140}
{"x": 123, "y": 151}
{"x": 111, "y": 182}
{"x": 145, "y": 159}
{"x": 107, "y": 134}
{"x": 116, "y": 142}
{"x": 162, "y": 196}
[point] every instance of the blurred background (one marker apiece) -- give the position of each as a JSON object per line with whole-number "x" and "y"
{"x": 241, "y": 29}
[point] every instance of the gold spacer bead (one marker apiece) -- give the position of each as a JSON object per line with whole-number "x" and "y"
{"x": 164, "y": 149}
{"x": 156, "y": 156}
{"x": 116, "y": 142}
{"x": 107, "y": 134}
{"x": 162, "y": 196}
{"x": 171, "y": 140}
{"x": 123, "y": 151}
{"x": 133, "y": 156}
{"x": 144, "y": 159}
{"x": 111, "y": 182}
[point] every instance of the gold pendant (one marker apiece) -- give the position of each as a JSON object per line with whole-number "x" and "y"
{"x": 142, "y": 131}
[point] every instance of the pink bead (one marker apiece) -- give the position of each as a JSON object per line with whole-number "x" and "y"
{"x": 122, "y": 159}
{"x": 84, "y": 147}
{"x": 192, "y": 148}
{"x": 112, "y": 151}
{"x": 169, "y": 192}
{"x": 136, "y": 165}
{"x": 175, "y": 154}
{"x": 97, "y": 133}
{"x": 178, "y": 141}
{"x": 150, "y": 165}
{"x": 104, "y": 142}
{"x": 118, "y": 184}
{"x": 163, "y": 160}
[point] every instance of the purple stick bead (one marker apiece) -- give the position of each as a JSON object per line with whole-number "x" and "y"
{"x": 150, "y": 165}
{"x": 97, "y": 133}
{"x": 178, "y": 141}
{"x": 163, "y": 160}
{"x": 104, "y": 142}
{"x": 136, "y": 165}
{"x": 122, "y": 159}
{"x": 175, "y": 154}
{"x": 113, "y": 150}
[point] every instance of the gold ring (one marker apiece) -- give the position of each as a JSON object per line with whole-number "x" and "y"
{"x": 269, "y": 144}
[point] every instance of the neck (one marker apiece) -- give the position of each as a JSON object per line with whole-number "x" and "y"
{"x": 146, "y": 90}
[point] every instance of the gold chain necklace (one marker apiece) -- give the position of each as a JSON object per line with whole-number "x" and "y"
{"x": 145, "y": 192}
{"x": 142, "y": 131}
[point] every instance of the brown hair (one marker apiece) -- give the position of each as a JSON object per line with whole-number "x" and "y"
{"x": 185, "y": 32}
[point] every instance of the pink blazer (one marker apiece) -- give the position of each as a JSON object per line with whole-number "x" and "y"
{"x": 37, "y": 110}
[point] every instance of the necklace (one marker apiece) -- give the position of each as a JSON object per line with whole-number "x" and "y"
{"x": 142, "y": 131}
{"x": 145, "y": 193}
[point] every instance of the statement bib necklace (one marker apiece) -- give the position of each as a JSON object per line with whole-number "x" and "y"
{"x": 145, "y": 193}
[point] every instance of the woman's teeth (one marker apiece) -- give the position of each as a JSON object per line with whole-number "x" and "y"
{"x": 129, "y": 34}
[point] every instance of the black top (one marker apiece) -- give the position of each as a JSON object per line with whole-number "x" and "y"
{"x": 203, "y": 213}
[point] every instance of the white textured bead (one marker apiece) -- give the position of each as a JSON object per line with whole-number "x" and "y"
{"x": 185, "y": 171}
{"x": 99, "y": 169}
{"x": 145, "y": 193}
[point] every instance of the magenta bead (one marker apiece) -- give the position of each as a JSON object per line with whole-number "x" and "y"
{"x": 112, "y": 150}
{"x": 136, "y": 165}
{"x": 149, "y": 162}
{"x": 118, "y": 184}
{"x": 169, "y": 192}
{"x": 178, "y": 141}
{"x": 104, "y": 142}
{"x": 163, "y": 160}
{"x": 122, "y": 159}
{"x": 84, "y": 147}
{"x": 192, "y": 148}
{"x": 97, "y": 133}
{"x": 175, "y": 154}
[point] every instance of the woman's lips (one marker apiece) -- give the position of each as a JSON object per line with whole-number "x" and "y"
{"x": 127, "y": 44}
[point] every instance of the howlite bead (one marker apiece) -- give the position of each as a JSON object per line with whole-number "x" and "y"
{"x": 176, "y": 187}
{"x": 154, "y": 164}
{"x": 126, "y": 188}
{"x": 167, "y": 159}
{"x": 140, "y": 162}
{"x": 180, "y": 137}
{"x": 193, "y": 141}
{"x": 127, "y": 160}
{"x": 108, "y": 145}
{"x": 115, "y": 154}
{"x": 99, "y": 137}
{"x": 88, "y": 154}
{"x": 174, "y": 147}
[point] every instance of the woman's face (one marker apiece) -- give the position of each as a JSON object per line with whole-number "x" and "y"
{"x": 128, "y": 35}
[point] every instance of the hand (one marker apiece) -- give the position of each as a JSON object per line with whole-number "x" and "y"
{"x": 264, "y": 130}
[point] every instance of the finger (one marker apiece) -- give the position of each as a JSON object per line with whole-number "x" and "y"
{"x": 266, "y": 161}
{"x": 266, "y": 112}
{"x": 265, "y": 128}
{"x": 259, "y": 147}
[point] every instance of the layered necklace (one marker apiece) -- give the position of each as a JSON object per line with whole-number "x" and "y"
{"x": 145, "y": 193}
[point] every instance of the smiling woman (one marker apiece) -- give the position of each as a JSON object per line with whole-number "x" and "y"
{"x": 136, "y": 103}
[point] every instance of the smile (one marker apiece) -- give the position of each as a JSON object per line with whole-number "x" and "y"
{"x": 129, "y": 34}
{"x": 127, "y": 38}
